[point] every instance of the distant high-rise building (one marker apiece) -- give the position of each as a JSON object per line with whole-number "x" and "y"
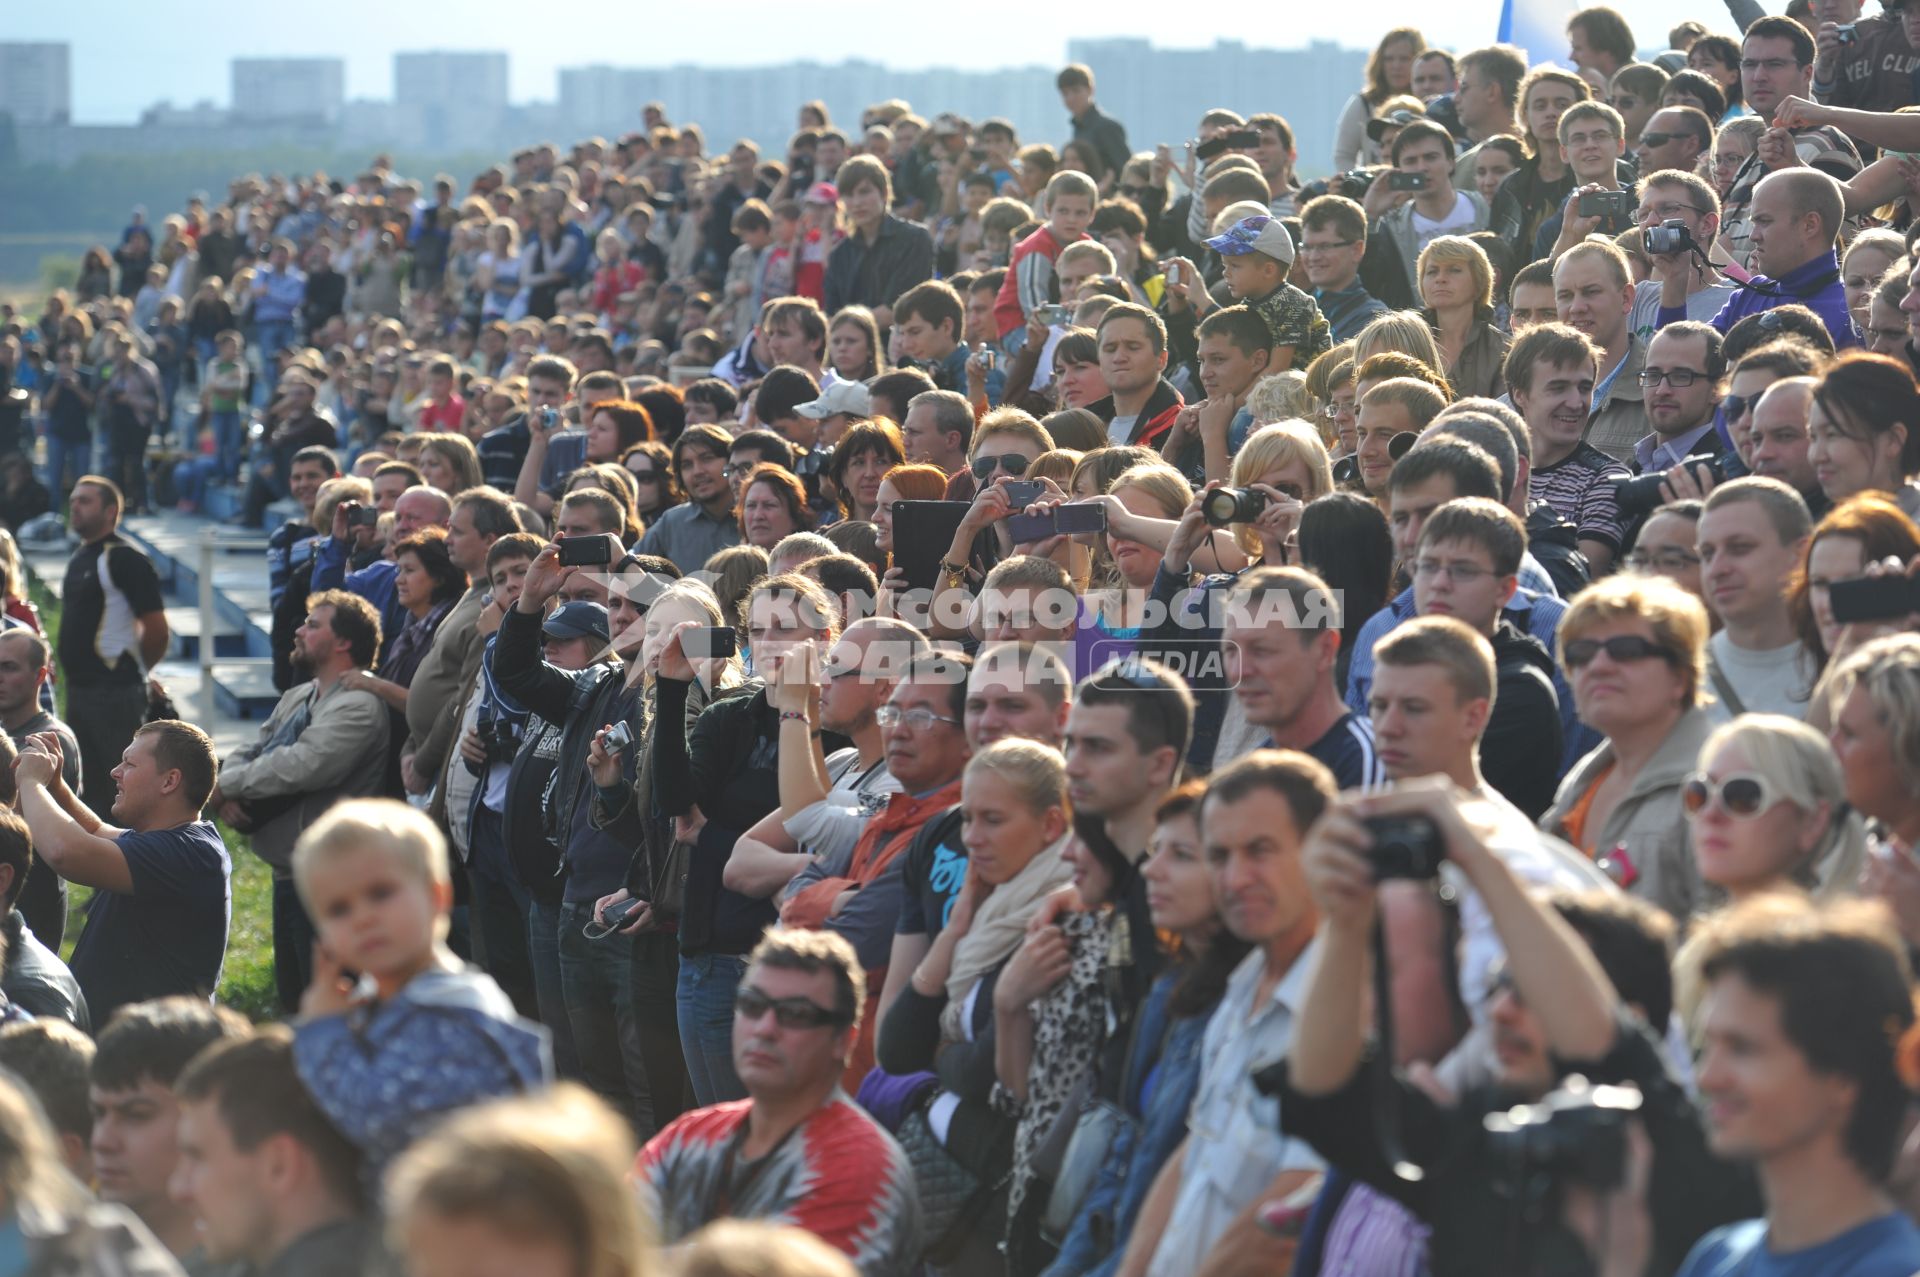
{"x": 35, "y": 87}
{"x": 459, "y": 97}
{"x": 289, "y": 88}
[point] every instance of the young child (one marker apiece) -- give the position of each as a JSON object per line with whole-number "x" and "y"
{"x": 778, "y": 267}
{"x": 1030, "y": 279}
{"x": 445, "y": 406}
{"x": 418, "y": 1035}
{"x": 225, "y": 391}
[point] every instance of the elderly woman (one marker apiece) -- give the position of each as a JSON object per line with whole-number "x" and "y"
{"x": 773, "y": 505}
{"x": 1768, "y": 811}
{"x": 1456, "y": 289}
{"x": 1634, "y": 650}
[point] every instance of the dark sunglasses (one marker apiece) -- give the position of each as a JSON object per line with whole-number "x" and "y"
{"x": 1012, "y": 463}
{"x": 1660, "y": 139}
{"x": 645, "y": 476}
{"x": 1734, "y": 407}
{"x": 1620, "y": 649}
{"x": 1744, "y": 794}
{"x": 788, "y": 1013}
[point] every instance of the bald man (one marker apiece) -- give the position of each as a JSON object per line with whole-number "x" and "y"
{"x": 1777, "y": 439}
{"x": 416, "y": 508}
{"x": 1795, "y": 215}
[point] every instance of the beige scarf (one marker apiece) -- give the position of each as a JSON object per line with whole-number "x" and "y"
{"x": 999, "y": 927}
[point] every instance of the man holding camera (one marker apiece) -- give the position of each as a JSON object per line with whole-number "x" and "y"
{"x": 1593, "y": 138}
{"x": 1863, "y": 63}
{"x": 1579, "y": 1184}
{"x": 1680, "y": 382}
{"x": 1680, "y": 216}
{"x": 1416, "y": 202}
{"x": 1796, "y": 214}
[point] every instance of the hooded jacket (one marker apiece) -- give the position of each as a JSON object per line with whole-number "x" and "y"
{"x": 1520, "y": 749}
{"x": 1150, "y": 428}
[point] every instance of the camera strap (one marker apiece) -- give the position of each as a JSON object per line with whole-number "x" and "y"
{"x": 1386, "y": 1095}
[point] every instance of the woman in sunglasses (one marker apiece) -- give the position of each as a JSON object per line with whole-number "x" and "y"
{"x": 656, "y": 486}
{"x": 1004, "y": 444}
{"x": 1768, "y": 812}
{"x": 1634, "y": 650}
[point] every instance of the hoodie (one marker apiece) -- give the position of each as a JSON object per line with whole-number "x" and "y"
{"x": 1151, "y": 426}
{"x": 384, "y": 1072}
{"x": 1520, "y": 749}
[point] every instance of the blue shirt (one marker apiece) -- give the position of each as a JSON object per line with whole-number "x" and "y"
{"x": 1815, "y": 285}
{"x": 1884, "y": 1247}
{"x": 1348, "y": 310}
{"x": 277, "y": 295}
{"x": 166, "y": 936}
{"x": 374, "y": 582}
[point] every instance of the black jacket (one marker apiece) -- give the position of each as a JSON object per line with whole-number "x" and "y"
{"x": 863, "y": 274}
{"x": 1520, "y": 750}
{"x": 35, "y": 979}
{"x": 1554, "y": 542}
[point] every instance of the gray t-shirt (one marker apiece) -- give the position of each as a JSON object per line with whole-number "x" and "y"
{"x": 1773, "y": 681}
{"x": 1701, "y": 307}
{"x": 1120, "y": 429}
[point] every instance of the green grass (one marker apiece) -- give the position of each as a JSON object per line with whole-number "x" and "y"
{"x": 246, "y": 982}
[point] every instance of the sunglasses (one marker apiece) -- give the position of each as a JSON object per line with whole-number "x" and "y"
{"x": 1012, "y": 463}
{"x": 1742, "y": 795}
{"x": 1620, "y": 649}
{"x": 788, "y": 1013}
{"x": 1734, "y": 407}
{"x": 645, "y": 476}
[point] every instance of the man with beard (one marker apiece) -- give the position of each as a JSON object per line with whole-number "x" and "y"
{"x": 322, "y": 743}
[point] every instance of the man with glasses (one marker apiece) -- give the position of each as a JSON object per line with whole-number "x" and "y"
{"x": 1685, "y": 279}
{"x": 1675, "y": 138}
{"x": 1681, "y": 382}
{"x": 1792, "y": 223}
{"x": 1333, "y": 241}
{"x": 1776, "y": 62}
{"x": 798, "y": 1151}
{"x": 1752, "y": 536}
{"x": 923, "y": 725}
{"x": 1593, "y": 138}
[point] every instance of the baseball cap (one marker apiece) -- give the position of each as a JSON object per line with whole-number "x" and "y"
{"x": 841, "y": 396}
{"x": 578, "y": 619}
{"x": 1262, "y": 234}
{"x": 1398, "y": 118}
{"x": 947, "y": 122}
{"x": 823, "y": 193}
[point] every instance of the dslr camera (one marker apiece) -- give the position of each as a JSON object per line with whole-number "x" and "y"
{"x": 1640, "y": 493}
{"x": 1671, "y": 236}
{"x": 1233, "y": 505}
{"x": 1576, "y": 1135}
{"x": 499, "y": 738}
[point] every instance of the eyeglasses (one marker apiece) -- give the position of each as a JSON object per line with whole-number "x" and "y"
{"x": 1591, "y": 139}
{"x": 1734, "y": 407}
{"x": 918, "y": 720}
{"x": 1332, "y": 246}
{"x": 1673, "y": 208}
{"x": 1678, "y": 378}
{"x": 1742, "y": 795}
{"x": 1012, "y": 463}
{"x": 1463, "y": 573}
{"x": 1620, "y": 649}
{"x": 1663, "y": 560}
{"x": 788, "y": 1013}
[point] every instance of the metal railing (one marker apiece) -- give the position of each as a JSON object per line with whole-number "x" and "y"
{"x": 212, "y": 546}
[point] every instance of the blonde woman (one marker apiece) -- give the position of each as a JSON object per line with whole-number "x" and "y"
{"x": 450, "y": 463}
{"x": 1405, "y": 332}
{"x": 1280, "y": 396}
{"x": 1456, "y": 287}
{"x": 1286, "y": 463}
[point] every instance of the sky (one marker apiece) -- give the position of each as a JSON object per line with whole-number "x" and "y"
{"x": 131, "y": 55}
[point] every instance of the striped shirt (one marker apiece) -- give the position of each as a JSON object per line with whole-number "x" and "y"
{"x": 1577, "y": 488}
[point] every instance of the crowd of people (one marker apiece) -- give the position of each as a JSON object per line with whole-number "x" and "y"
{"x": 941, "y": 704}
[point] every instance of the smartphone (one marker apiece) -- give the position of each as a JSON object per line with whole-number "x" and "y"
{"x": 1052, "y": 314}
{"x": 922, "y": 533}
{"x": 1022, "y": 493}
{"x": 1062, "y": 520}
{"x": 1606, "y": 203}
{"x": 1871, "y": 598}
{"x": 705, "y": 641}
{"x": 1216, "y": 145}
{"x": 1398, "y": 181}
{"x": 1024, "y": 528}
{"x": 587, "y": 551}
{"x": 1173, "y": 273}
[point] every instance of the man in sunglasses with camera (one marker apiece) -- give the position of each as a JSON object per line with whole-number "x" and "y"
{"x": 797, "y": 1150}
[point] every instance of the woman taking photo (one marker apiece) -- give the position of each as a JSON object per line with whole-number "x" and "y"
{"x": 1634, "y": 650}
{"x": 773, "y": 505}
{"x": 1456, "y": 291}
{"x": 1015, "y": 825}
{"x": 1389, "y": 72}
{"x": 1768, "y": 812}
{"x": 716, "y": 782}
{"x": 1863, "y": 429}
{"x": 1160, "y": 1071}
{"x": 861, "y": 460}
{"x": 1863, "y": 529}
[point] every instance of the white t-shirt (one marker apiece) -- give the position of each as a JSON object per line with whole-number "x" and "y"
{"x": 1701, "y": 307}
{"x": 1459, "y": 221}
{"x": 1120, "y": 429}
{"x": 833, "y": 825}
{"x": 1774, "y": 681}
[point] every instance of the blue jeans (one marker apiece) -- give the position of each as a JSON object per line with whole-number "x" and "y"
{"x": 229, "y": 442}
{"x": 64, "y": 456}
{"x": 190, "y": 478}
{"x": 543, "y": 951}
{"x": 708, "y": 983}
{"x": 596, "y": 980}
